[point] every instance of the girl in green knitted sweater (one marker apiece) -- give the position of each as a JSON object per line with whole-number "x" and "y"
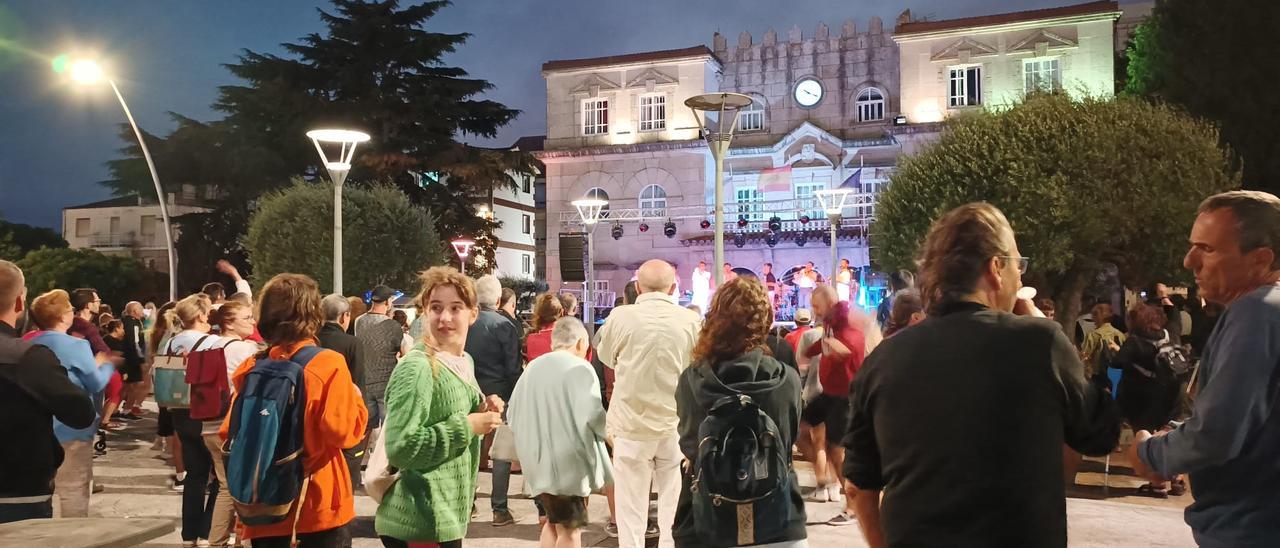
{"x": 435, "y": 419}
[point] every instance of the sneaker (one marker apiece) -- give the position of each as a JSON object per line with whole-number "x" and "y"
{"x": 819, "y": 494}
{"x": 502, "y": 518}
{"x": 202, "y": 543}
{"x": 843, "y": 518}
{"x": 130, "y": 417}
{"x": 651, "y": 530}
{"x": 188, "y": 544}
{"x": 835, "y": 493}
{"x": 611, "y": 529}
{"x": 158, "y": 445}
{"x": 178, "y": 480}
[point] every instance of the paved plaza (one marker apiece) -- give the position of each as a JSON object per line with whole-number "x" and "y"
{"x": 136, "y": 485}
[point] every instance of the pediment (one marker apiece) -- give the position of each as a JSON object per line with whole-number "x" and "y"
{"x": 594, "y": 82}
{"x": 964, "y": 47}
{"x": 1051, "y": 40}
{"x": 658, "y": 77}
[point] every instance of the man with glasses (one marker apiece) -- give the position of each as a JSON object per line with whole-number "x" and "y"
{"x": 960, "y": 421}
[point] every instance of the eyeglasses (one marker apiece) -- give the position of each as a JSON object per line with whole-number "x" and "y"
{"x": 1023, "y": 262}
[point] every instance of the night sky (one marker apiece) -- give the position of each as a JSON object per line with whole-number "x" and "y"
{"x": 167, "y": 57}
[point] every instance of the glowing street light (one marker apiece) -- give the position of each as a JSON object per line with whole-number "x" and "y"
{"x": 717, "y": 116}
{"x": 833, "y": 203}
{"x": 338, "y": 169}
{"x": 463, "y": 249}
{"x": 589, "y": 209}
{"x": 88, "y": 72}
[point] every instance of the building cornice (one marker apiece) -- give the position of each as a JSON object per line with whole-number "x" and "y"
{"x": 551, "y": 156}
{"x": 1007, "y": 27}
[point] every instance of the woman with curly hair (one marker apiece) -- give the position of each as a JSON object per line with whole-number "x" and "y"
{"x": 731, "y": 359}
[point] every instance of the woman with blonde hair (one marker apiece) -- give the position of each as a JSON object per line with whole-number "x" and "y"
{"x": 52, "y": 313}
{"x": 436, "y": 416}
{"x": 731, "y": 361}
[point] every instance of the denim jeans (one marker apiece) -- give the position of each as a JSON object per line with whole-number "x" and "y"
{"x": 501, "y": 482}
{"x": 329, "y": 538}
{"x": 198, "y": 498}
{"x": 10, "y": 513}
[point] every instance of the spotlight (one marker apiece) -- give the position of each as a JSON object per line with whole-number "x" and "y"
{"x": 771, "y": 239}
{"x": 739, "y": 239}
{"x": 616, "y": 232}
{"x": 644, "y": 227}
{"x": 801, "y": 239}
{"x": 742, "y": 221}
{"x": 705, "y": 224}
{"x": 669, "y": 229}
{"x": 804, "y": 219}
{"x": 775, "y": 223}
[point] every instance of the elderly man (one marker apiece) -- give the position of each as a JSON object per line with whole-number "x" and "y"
{"x": 34, "y": 389}
{"x": 333, "y": 335}
{"x": 493, "y": 342}
{"x": 647, "y": 344}
{"x": 960, "y": 420}
{"x": 558, "y": 420}
{"x": 1231, "y": 444}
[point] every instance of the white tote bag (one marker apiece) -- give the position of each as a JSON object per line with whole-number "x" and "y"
{"x": 378, "y": 475}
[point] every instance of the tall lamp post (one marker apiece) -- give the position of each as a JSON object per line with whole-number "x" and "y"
{"x": 589, "y": 210}
{"x": 87, "y": 71}
{"x": 338, "y": 168}
{"x": 710, "y": 111}
{"x": 833, "y": 203}
{"x": 463, "y": 249}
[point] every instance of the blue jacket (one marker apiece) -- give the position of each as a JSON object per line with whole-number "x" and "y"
{"x": 1231, "y": 444}
{"x": 84, "y": 372}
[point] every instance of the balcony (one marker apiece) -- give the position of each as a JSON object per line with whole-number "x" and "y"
{"x": 125, "y": 240}
{"x": 857, "y": 215}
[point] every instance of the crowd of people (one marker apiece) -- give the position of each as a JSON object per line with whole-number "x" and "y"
{"x": 287, "y": 402}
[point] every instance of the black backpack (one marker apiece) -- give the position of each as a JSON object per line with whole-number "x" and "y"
{"x": 1172, "y": 358}
{"x": 742, "y": 478}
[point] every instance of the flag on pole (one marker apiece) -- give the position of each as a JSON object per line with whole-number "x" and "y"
{"x": 854, "y": 181}
{"x": 775, "y": 179}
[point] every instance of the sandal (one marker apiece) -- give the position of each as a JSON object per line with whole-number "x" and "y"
{"x": 1177, "y": 488}
{"x": 1147, "y": 489}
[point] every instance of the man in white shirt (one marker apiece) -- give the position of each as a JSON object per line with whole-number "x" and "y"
{"x": 806, "y": 281}
{"x": 648, "y": 344}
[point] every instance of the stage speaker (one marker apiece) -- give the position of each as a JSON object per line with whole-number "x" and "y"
{"x": 572, "y": 245}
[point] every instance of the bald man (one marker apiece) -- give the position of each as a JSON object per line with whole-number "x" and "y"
{"x": 34, "y": 389}
{"x": 647, "y": 344}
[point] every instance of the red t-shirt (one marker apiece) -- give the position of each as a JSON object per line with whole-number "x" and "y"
{"x": 537, "y": 344}
{"x": 793, "y": 338}
{"x": 836, "y": 373}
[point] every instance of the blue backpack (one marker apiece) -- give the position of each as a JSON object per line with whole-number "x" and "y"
{"x": 265, "y": 440}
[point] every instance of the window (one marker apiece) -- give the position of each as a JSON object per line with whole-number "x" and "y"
{"x": 750, "y": 204}
{"x": 526, "y": 222}
{"x": 525, "y": 183}
{"x": 82, "y": 228}
{"x": 526, "y": 264}
{"x": 597, "y": 193}
{"x": 870, "y": 105}
{"x": 751, "y": 118}
{"x": 1041, "y": 75}
{"x": 966, "y": 87}
{"x": 653, "y": 201}
{"x": 595, "y": 116}
{"x": 805, "y": 197}
{"x": 115, "y": 226}
{"x": 653, "y": 112}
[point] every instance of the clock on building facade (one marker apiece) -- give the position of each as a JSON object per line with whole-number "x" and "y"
{"x": 808, "y": 92}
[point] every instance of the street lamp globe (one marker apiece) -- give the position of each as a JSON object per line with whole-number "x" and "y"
{"x": 717, "y": 117}
{"x": 86, "y": 71}
{"x": 338, "y": 167}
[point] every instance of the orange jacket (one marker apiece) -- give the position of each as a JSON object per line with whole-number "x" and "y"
{"x": 335, "y": 419}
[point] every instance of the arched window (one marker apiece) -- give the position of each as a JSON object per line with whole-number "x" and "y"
{"x": 752, "y": 117}
{"x": 870, "y": 105}
{"x": 597, "y": 193}
{"x": 653, "y": 201}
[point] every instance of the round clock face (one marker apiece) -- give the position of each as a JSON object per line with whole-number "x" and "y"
{"x": 808, "y": 92}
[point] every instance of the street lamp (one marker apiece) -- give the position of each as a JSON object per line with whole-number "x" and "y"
{"x": 338, "y": 168}
{"x": 86, "y": 71}
{"x": 589, "y": 210}
{"x": 718, "y": 136}
{"x": 463, "y": 249}
{"x": 833, "y": 203}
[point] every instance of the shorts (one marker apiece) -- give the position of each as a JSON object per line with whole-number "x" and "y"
{"x": 569, "y": 511}
{"x": 832, "y": 411}
{"x": 131, "y": 372}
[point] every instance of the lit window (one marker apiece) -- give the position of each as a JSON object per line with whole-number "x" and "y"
{"x": 752, "y": 117}
{"x": 805, "y": 197}
{"x": 653, "y": 112}
{"x": 1041, "y": 75}
{"x": 870, "y": 105}
{"x": 595, "y": 117}
{"x": 653, "y": 201}
{"x": 750, "y": 204}
{"x": 966, "y": 86}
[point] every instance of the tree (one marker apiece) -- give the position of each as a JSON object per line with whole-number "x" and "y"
{"x": 17, "y": 239}
{"x": 376, "y": 68}
{"x": 386, "y": 239}
{"x": 117, "y": 279}
{"x": 1084, "y": 184}
{"x": 1210, "y": 58}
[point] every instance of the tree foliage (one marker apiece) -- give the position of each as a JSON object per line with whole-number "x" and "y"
{"x": 377, "y": 68}
{"x": 1084, "y": 183}
{"x": 1216, "y": 60}
{"x": 117, "y": 279}
{"x": 386, "y": 239}
{"x": 17, "y": 239}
